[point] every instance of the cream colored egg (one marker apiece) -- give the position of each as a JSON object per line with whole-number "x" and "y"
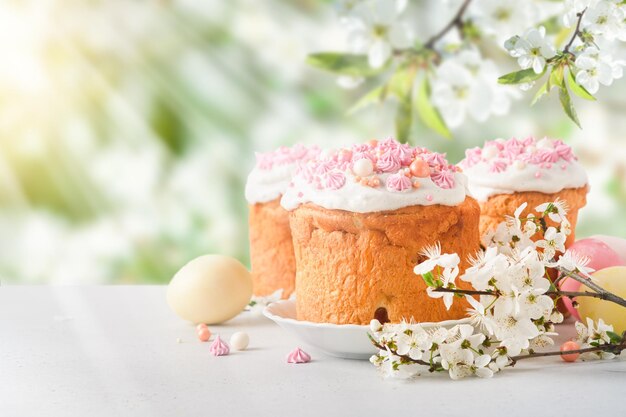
{"x": 239, "y": 340}
{"x": 612, "y": 279}
{"x": 210, "y": 289}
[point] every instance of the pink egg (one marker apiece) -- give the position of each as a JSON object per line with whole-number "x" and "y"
{"x": 618, "y": 244}
{"x": 601, "y": 255}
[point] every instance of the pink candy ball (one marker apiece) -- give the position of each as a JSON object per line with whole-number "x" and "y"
{"x": 204, "y": 334}
{"x": 567, "y": 346}
{"x": 601, "y": 255}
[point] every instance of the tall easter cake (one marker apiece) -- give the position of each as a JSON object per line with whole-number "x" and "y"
{"x": 360, "y": 217}
{"x": 503, "y": 174}
{"x": 271, "y": 250}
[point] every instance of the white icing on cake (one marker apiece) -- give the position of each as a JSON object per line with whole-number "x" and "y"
{"x": 395, "y": 180}
{"x": 505, "y": 167}
{"x": 273, "y": 172}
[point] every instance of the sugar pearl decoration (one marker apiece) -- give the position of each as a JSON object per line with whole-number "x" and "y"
{"x": 239, "y": 341}
{"x": 567, "y": 346}
{"x": 545, "y": 143}
{"x": 520, "y": 165}
{"x": 204, "y": 334}
{"x": 489, "y": 152}
{"x": 363, "y": 167}
{"x": 538, "y": 174}
{"x": 419, "y": 168}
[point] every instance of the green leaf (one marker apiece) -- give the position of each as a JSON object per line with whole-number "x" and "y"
{"x": 540, "y": 93}
{"x": 377, "y": 95}
{"x": 401, "y": 86}
{"x": 344, "y": 64}
{"x": 429, "y": 115}
{"x": 556, "y": 78}
{"x": 566, "y": 103}
{"x": 429, "y": 279}
{"x": 578, "y": 89}
{"x": 404, "y": 120}
{"x": 522, "y": 76}
{"x": 614, "y": 337}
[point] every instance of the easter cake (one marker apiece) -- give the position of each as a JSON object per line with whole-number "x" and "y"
{"x": 271, "y": 250}
{"x": 360, "y": 218}
{"x": 504, "y": 174}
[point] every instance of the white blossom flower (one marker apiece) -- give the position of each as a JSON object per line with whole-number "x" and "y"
{"x": 485, "y": 265}
{"x": 376, "y": 30}
{"x": 552, "y": 242}
{"x": 258, "y": 303}
{"x": 532, "y": 49}
{"x": 515, "y": 332}
{"x": 477, "y": 315}
{"x": 595, "y": 68}
{"x": 412, "y": 342}
{"x": 503, "y": 18}
{"x": 466, "y": 84}
{"x": 607, "y": 19}
{"x": 572, "y": 260}
{"x": 436, "y": 258}
{"x": 572, "y": 8}
{"x": 556, "y": 210}
{"x": 447, "y": 277}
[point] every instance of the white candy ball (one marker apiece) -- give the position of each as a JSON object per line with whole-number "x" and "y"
{"x": 239, "y": 341}
{"x": 489, "y": 152}
{"x": 210, "y": 289}
{"x": 545, "y": 143}
{"x": 363, "y": 167}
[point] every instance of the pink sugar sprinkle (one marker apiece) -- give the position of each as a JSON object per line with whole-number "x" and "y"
{"x": 529, "y": 150}
{"x": 300, "y": 194}
{"x": 429, "y": 197}
{"x": 564, "y": 166}
{"x": 537, "y": 174}
{"x": 285, "y": 155}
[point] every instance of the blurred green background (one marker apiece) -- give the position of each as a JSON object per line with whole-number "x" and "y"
{"x": 127, "y": 129}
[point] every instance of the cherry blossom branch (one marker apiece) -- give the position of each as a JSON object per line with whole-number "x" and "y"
{"x": 615, "y": 348}
{"x": 455, "y": 22}
{"x": 570, "y": 294}
{"x": 394, "y": 352}
{"x": 576, "y": 31}
{"x": 604, "y": 294}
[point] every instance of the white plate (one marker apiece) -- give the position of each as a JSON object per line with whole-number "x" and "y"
{"x": 348, "y": 341}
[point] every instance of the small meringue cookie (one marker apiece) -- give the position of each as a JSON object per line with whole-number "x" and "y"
{"x": 298, "y": 356}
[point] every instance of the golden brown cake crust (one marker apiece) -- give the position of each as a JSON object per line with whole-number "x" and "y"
{"x": 494, "y": 210}
{"x": 271, "y": 249}
{"x": 350, "y": 264}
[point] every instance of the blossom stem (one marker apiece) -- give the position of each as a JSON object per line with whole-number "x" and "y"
{"x": 576, "y": 31}
{"x": 455, "y": 22}
{"x": 602, "y": 293}
{"x": 394, "y": 352}
{"x": 609, "y": 347}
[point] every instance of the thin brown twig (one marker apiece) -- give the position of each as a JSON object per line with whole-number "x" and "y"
{"x": 576, "y": 31}
{"x": 455, "y": 22}
{"x": 570, "y": 294}
{"x": 605, "y": 295}
{"x": 393, "y": 351}
{"x": 613, "y": 348}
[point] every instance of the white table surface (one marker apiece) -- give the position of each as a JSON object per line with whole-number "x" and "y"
{"x": 113, "y": 351}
